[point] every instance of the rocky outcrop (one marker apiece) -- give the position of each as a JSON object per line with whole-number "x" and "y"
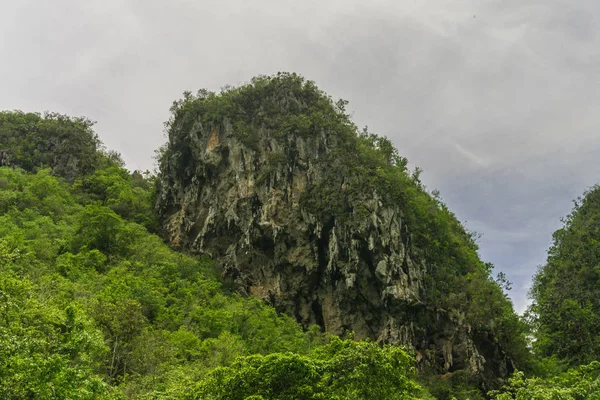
{"x": 244, "y": 206}
{"x": 274, "y": 182}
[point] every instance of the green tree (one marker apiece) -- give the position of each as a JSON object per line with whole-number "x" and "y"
{"x": 566, "y": 305}
{"x": 129, "y": 195}
{"x": 121, "y": 322}
{"x": 582, "y": 383}
{"x": 339, "y": 370}
{"x": 45, "y": 352}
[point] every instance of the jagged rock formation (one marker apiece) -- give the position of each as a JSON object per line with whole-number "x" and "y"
{"x": 289, "y": 220}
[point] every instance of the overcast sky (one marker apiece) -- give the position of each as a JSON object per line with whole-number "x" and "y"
{"x": 498, "y": 101}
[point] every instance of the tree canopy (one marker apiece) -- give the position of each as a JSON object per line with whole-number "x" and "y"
{"x": 566, "y": 290}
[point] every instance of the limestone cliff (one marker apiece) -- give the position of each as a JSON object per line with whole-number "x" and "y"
{"x": 296, "y": 214}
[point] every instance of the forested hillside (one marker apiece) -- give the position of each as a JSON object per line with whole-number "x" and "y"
{"x": 566, "y": 289}
{"x": 94, "y": 304}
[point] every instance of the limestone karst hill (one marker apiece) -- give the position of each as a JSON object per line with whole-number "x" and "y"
{"x": 326, "y": 222}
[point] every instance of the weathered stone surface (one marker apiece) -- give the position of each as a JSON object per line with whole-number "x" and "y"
{"x": 243, "y": 206}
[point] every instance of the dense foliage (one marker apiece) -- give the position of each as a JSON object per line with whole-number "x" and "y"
{"x": 65, "y": 144}
{"x": 338, "y": 371}
{"x": 566, "y": 290}
{"x": 582, "y": 383}
{"x": 93, "y": 305}
{"x": 90, "y": 299}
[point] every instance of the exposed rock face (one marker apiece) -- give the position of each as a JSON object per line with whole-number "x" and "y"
{"x": 244, "y": 207}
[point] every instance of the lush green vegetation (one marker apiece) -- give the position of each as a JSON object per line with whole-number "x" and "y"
{"x": 566, "y": 290}
{"x": 65, "y": 144}
{"x": 92, "y": 301}
{"x": 339, "y": 370}
{"x": 93, "y": 305}
{"x": 581, "y": 383}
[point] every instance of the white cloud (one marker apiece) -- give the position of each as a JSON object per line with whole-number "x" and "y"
{"x": 477, "y": 160}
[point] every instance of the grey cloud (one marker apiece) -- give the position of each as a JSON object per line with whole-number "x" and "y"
{"x": 496, "y": 100}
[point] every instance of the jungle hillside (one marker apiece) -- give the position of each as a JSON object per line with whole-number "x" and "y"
{"x": 279, "y": 251}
